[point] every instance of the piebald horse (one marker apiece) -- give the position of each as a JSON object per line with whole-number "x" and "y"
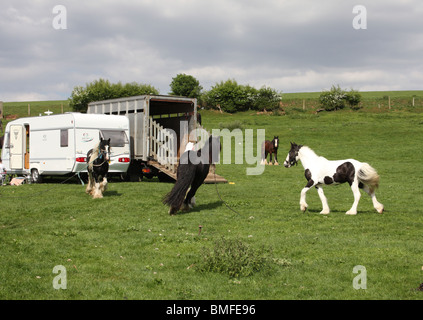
{"x": 98, "y": 167}
{"x": 319, "y": 171}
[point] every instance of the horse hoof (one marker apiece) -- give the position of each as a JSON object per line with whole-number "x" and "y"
{"x": 276, "y": 164}
{"x": 192, "y": 202}
{"x": 303, "y": 207}
{"x": 351, "y": 212}
{"x": 186, "y": 207}
{"x": 324, "y": 212}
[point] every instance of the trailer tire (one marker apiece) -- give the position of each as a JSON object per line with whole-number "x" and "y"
{"x": 35, "y": 176}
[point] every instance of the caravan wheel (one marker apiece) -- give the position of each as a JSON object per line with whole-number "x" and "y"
{"x": 35, "y": 176}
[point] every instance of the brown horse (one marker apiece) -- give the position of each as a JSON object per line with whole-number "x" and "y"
{"x": 270, "y": 147}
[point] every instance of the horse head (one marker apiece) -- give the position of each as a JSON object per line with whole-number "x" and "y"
{"x": 275, "y": 142}
{"x": 104, "y": 149}
{"x": 292, "y": 157}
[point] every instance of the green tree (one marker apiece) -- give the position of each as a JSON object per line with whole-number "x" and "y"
{"x": 103, "y": 90}
{"x": 186, "y": 86}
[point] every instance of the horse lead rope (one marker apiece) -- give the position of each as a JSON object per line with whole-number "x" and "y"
{"x": 218, "y": 194}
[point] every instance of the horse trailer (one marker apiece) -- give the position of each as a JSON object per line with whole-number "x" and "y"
{"x": 58, "y": 144}
{"x": 160, "y": 128}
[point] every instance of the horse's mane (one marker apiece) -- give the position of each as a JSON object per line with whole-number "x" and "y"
{"x": 308, "y": 150}
{"x": 94, "y": 155}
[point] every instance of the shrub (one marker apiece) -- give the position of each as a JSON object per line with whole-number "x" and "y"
{"x": 231, "y": 97}
{"x": 236, "y": 124}
{"x": 336, "y": 99}
{"x": 267, "y": 99}
{"x": 102, "y": 90}
{"x": 353, "y": 98}
{"x": 235, "y": 258}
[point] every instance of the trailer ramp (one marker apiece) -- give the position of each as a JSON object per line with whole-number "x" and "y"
{"x": 211, "y": 177}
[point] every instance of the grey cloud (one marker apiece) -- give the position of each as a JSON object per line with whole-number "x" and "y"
{"x": 290, "y": 45}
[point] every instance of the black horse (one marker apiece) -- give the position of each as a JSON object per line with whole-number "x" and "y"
{"x": 98, "y": 167}
{"x": 193, "y": 169}
{"x": 270, "y": 147}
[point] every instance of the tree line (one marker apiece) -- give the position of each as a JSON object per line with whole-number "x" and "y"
{"x": 227, "y": 96}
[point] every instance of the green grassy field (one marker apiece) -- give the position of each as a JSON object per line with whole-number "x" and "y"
{"x": 20, "y": 109}
{"x": 372, "y": 101}
{"x": 126, "y": 246}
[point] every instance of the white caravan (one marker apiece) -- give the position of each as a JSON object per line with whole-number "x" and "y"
{"x": 58, "y": 144}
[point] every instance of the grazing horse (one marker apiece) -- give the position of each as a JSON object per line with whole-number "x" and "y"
{"x": 320, "y": 171}
{"x": 193, "y": 169}
{"x": 98, "y": 167}
{"x": 270, "y": 147}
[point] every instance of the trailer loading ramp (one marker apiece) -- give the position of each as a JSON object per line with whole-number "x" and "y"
{"x": 211, "y": 177}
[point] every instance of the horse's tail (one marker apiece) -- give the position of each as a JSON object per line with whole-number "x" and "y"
{"x": 263, "y": 151}
{"x": 186, "y": 175}
{"x": 368, "y": 176}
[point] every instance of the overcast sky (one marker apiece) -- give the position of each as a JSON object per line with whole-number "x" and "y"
{"x": 289, "y": 45}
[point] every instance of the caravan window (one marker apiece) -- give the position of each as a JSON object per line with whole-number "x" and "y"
{"x": 117, "y": 138}
{"x": 64, "y": 138}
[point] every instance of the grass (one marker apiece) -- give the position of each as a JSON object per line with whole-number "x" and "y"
{"x": 364, "y": 94}
{"x": 20, "y": 109}
{"x": 126, "y": 246}
{"x": 372, "y": 101}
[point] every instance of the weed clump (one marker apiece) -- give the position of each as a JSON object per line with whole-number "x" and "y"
{"x": 237, "y": 124}
{"x": 235, "y": 258}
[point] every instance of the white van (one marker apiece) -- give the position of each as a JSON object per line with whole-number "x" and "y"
{"x": 58, "y": 144}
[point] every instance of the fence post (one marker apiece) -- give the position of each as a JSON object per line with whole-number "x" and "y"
{"x": 1, "y": 109}
{"x": 413, "y": 101}
{"x": 389, "y": 102}
{"x": 304, "y": 104}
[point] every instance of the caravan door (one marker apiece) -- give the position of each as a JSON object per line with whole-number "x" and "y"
{"x": 17, "y": 139}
